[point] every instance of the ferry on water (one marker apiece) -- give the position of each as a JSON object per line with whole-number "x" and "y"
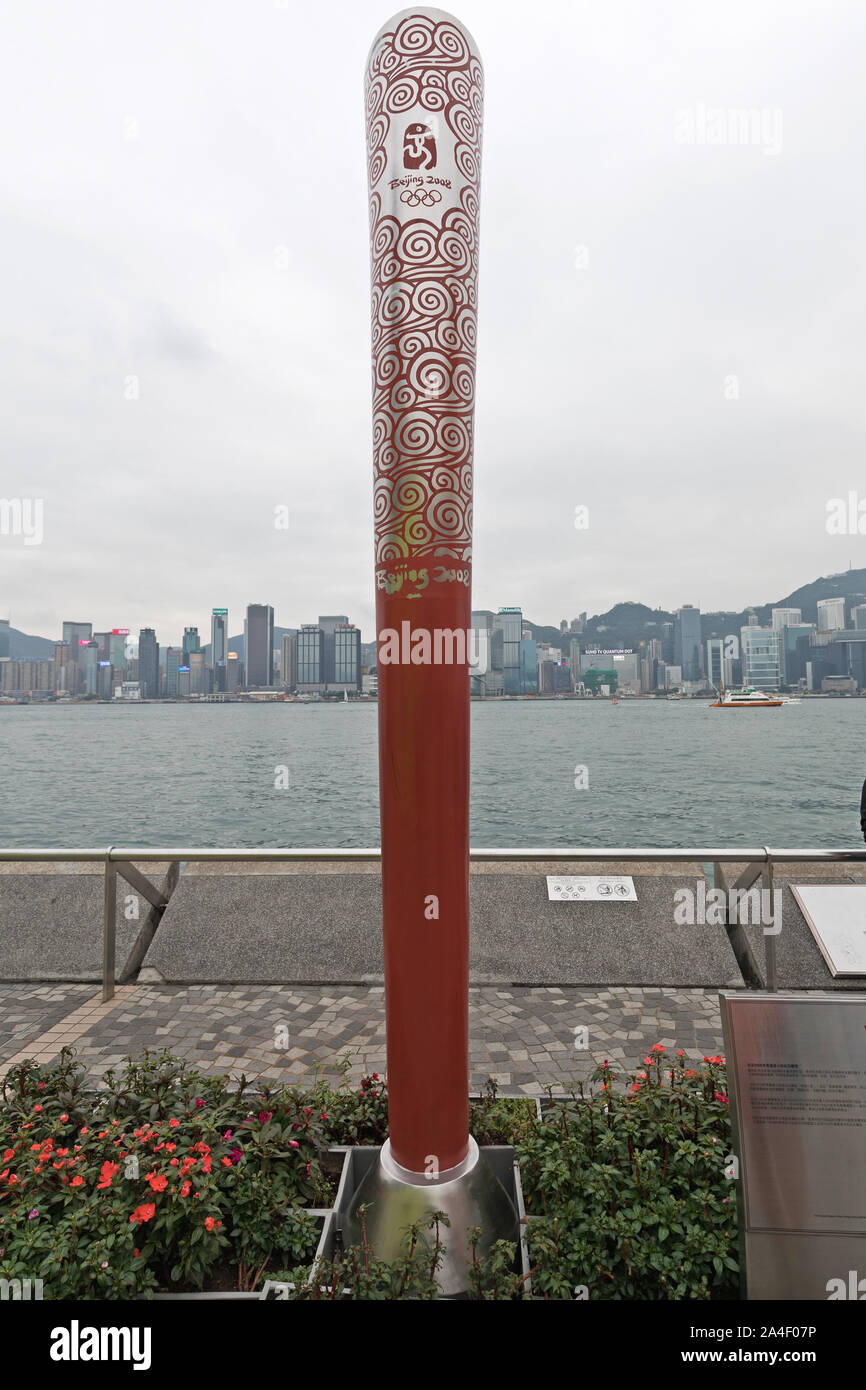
{"x": 748, "y": 698}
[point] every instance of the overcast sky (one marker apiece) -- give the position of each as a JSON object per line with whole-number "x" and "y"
{"x": 671, "y": 331}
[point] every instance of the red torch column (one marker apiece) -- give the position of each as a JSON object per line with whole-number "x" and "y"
{"x": 424, "y": 91}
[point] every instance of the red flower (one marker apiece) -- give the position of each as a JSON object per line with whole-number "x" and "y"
{"x": 64, "y": 1118}
{"x": 209, "y": 1223}
{"x": 106, "y": 1173}
{"x": 158, "y": 1182}
{"x": 173, "y": 1124}
{"x": 184, "y": 1191}
{"x": 76, "y": 1182}
{"x": 145, "y": 1212}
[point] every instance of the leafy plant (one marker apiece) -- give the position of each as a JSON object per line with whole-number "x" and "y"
{"x": 631, "y": 1188}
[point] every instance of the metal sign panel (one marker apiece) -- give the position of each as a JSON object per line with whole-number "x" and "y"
{"x": 836, "y": 914}
{"x": 590, "y": 888}
{"x": 797, "y": 1086}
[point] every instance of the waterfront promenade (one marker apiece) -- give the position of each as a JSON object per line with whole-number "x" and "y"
{"x": 273, "y": 969}
{"x": 524, "y": 1038}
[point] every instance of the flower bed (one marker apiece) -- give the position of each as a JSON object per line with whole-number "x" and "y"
{"x": 626, "y": 1187}
{"x": 167, "y": 1179}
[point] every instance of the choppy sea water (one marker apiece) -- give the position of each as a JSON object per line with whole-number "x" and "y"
{"x": 658, "y": 773}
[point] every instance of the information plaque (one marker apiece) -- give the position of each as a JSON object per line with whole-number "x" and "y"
{"x": 797, "y": 1088}
{"x": 590, "y": 888}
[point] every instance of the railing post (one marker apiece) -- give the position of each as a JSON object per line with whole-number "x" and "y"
{"x": 109, "y": 927}
{"x": 770, "y": 937}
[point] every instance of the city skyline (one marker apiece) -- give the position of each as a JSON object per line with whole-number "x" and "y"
{"x": 506, "y": 655}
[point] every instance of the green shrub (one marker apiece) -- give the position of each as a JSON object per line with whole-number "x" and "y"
{"x": 631, "y": 1189}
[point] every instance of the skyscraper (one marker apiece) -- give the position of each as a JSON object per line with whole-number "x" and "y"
{"x": 88, "y": 661}
{"x": 191, "y": 641}
{"x": 148, "y": 664}
{"x": 219, "y": 639}
{"x": 510, "y": 620}
{"x": 198, "y": 674}
{"x": 5, "y": 638}
{"x": 347, "y": 657}
{"x": 761, "y": 649}
{"x": 289, "y": 660}
{"x": 687, "y": 642}
{"x": 831, "y": 614}
{"x": 311, "y": 642}
{"x": 77, "y": 635}
{"x": 259, "y": 635}
{"x": 858, "y": 617}
{"x": 173, "y": 661}
{"x": 786, "y": 617}
{"x": 117, "y": 649}
{"x": 329, "y": 625}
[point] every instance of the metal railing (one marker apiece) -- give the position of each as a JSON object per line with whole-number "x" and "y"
{"x": 119, "y": 862}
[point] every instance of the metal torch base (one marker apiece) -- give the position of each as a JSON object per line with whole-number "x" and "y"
{"x": 394, "y": 1197}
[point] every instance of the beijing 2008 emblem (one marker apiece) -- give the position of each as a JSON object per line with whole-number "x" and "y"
{"x": 419, "y": 147}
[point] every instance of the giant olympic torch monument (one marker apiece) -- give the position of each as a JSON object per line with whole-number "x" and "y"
{"x": 424, "y": 91}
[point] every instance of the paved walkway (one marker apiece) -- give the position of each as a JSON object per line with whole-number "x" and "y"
{"x": 525, "y": 1038}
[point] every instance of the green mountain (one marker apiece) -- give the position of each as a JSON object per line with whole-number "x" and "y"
{"x": 629, "y": 624}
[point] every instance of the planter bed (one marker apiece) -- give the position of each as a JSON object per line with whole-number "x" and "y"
{"x": 168, "y": 1184}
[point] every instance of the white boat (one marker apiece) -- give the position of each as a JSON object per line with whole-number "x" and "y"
{"x": 748, "y": 698}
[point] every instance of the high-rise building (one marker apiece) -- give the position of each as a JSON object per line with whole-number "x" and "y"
{"x": 795, "y": 642}
{"x": 77, "y": 635}
{"x": 716, "y": 661}
{"x": 480, "y": 644}
{"x": 786, "y": 617}
{"x": 234, "y": 672}
{"x": 117, "y": 649}
{"x": 66, "y": 670}
{"x": 103, "y": 680}
{"x": 219, "y": 641}
{"x": 529, "y": 666}
{"x": 191, "y": 640}
{"x": 88, "y": 662}
{"x": 510, "y": 622}
{"x": 198, "y": 674}
{"x": 259, "y": 639}
{"x": 289, "y": 660}
{"x": 761, "y": 649}
{"x": 858, "y": 616}
{"x": 5, "y": 638}
{"x": 173, "y": 662}
{"x": 311, "y": 641}
{"x": 347, "y": 658}
{"x": 687, "y": 642}
{"x": 329, "y": 625}
{"x": 831, "y": 614}
{"x": 148, "y": 664}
